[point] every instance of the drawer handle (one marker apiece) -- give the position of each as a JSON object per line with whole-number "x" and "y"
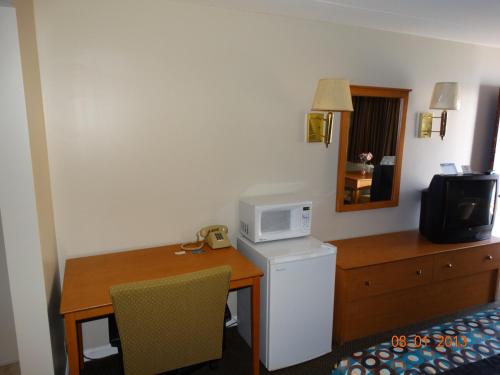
{"x": 449, "y": 265}
{"x": 419, "y": 272}
{"x": 489, "y": 257}
{"x": 368, "y": 283}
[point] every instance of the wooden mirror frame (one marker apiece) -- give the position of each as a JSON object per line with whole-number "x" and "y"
{"x": 384, "y": 92}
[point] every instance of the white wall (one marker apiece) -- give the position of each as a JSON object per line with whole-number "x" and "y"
{"x": 8, "y": 342}
{"x": 41, "y": 176}
{"x": 18, "y": 211}
{"x": 160, "y": 115}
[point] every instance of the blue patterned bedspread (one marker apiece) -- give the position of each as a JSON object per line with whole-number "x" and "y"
{"x": 430, "y": 351}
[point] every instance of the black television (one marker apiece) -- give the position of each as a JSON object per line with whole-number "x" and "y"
{"x": 459, "y": 208}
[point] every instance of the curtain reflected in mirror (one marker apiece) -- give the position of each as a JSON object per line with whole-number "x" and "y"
{"x": 373, "y": 135}
{"x": 368, "y": 155}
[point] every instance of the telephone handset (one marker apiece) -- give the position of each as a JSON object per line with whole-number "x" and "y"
{"x": 214, "y": 235}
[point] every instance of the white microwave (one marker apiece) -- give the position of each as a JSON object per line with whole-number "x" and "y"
{"x": 274, "y": 217}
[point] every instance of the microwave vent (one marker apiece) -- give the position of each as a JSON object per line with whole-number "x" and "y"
{"x": 244, "y": 227}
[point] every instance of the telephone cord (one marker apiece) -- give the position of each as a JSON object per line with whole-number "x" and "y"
{"x": 187, "y": 246}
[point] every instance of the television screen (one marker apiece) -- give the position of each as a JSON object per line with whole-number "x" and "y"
{"x": 469, "y": 203}
{"x": 459, "y": 208}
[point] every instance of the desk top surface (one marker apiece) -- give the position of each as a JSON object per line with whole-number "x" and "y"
{"x": 357, "y": 175}
{"x": 87, "y": 279}
{"x": 391, "y": 247}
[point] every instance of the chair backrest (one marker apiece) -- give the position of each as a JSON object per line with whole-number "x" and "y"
{"x": 381, "y": 189}
{"x": 173, "y": 322}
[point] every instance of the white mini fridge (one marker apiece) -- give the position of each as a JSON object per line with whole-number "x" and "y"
{"x": 296, "y": 299}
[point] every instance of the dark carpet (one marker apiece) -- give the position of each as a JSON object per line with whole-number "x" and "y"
{"x": 237, "y": 354}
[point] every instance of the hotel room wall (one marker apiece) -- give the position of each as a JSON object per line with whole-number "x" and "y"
{"x": 160, "y": 115}
{"x": 8, "y": 341}
{"x": 18, "y": 211}
{"x": 41, "y": 176}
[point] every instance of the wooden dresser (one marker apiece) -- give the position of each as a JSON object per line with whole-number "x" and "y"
{"x": 395, "y": 279}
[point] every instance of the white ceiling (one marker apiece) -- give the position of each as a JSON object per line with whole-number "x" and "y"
{"x": 468, "y": 21}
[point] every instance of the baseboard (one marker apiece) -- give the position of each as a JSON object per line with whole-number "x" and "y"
{"x": 99, "y": 352}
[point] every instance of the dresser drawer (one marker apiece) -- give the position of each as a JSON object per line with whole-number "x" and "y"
{"x": 389, "y": 277}
{"x": 466, "y": 262}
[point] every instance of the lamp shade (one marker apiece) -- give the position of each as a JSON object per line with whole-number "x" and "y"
{"x": 332, "y": 95}
{"x": 446, "y": 95}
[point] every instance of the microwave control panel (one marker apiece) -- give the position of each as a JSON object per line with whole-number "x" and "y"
{"x": 306, "y": 217}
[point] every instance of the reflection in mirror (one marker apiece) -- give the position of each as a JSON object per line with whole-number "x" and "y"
{"x": 371, "y": 136}
{"x": 373, "y": 133}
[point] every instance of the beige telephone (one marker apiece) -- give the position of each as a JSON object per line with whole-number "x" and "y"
{"x": 214, "y": 235}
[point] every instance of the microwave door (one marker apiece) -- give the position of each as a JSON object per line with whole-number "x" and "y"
{"x": 277, "y": 220}
{"x": 284, "y": 222}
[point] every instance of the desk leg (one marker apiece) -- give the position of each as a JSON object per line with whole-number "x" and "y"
{"x": 255, "y": 325}
{"x": 72, "y": 344}
{"x": 80, "y": 343}
{"x": 356, "y": 196}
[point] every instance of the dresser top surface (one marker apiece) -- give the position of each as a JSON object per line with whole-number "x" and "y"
{"x": 389, "y": 247}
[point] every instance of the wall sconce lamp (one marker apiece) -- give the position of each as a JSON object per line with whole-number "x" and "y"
{"x": 332, "y": 95}
{"x": 446, "y": 96}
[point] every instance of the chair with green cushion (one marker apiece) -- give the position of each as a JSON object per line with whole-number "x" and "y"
{"x": 171, "y": 323}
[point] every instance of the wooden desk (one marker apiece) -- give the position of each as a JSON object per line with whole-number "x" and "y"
{"x": 357, "y": 182}
{"x": 85, "y": 294}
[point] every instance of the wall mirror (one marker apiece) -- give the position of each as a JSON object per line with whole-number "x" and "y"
{"x": 371, "y": 148}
